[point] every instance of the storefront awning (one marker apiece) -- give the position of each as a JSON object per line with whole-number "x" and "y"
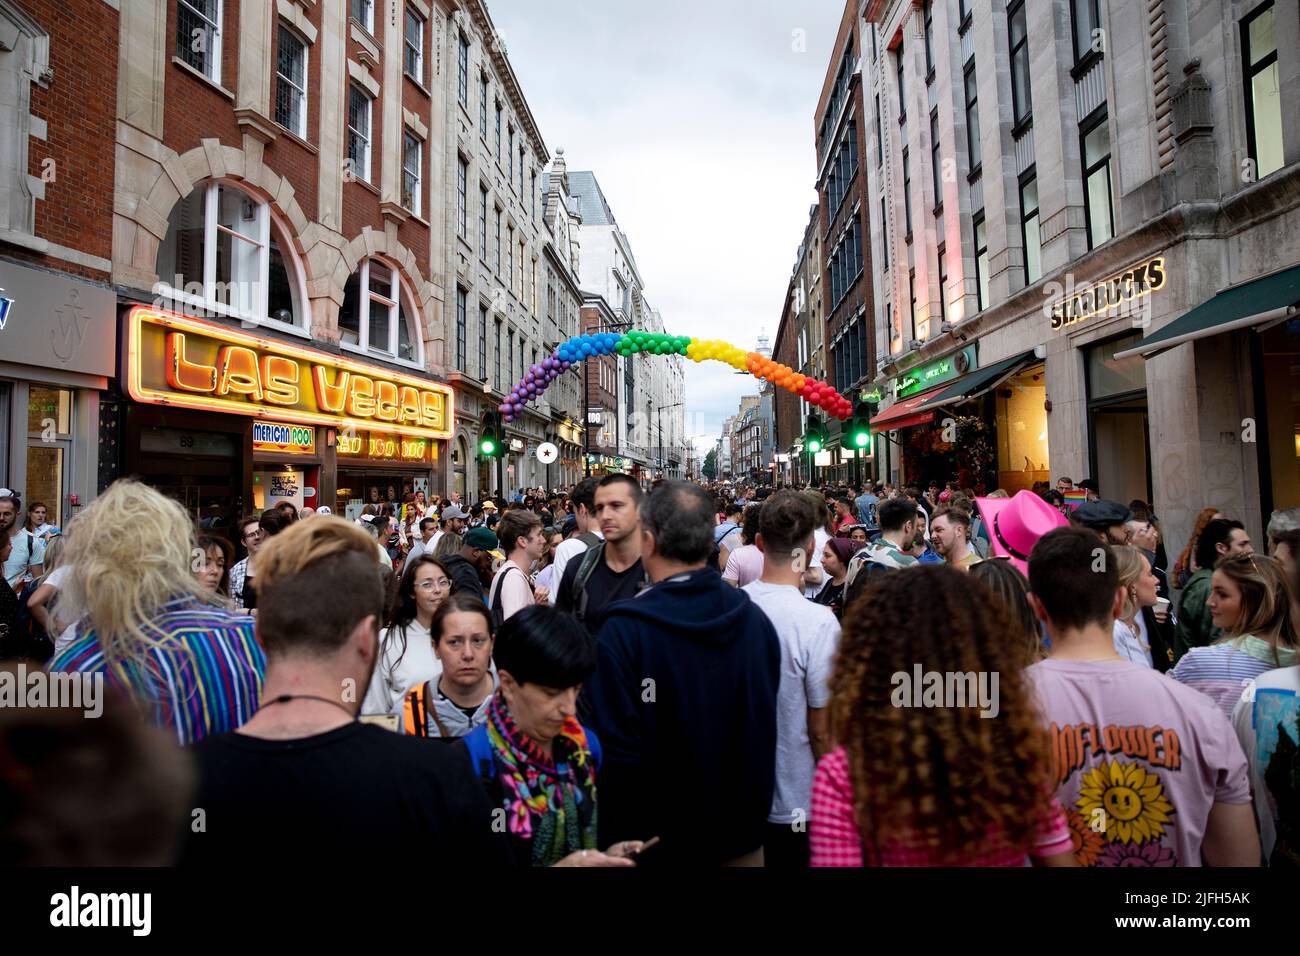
{"x": 1242, "y": 306}
{"x": 906, "y": 412}
{"x": 977, "y": 383}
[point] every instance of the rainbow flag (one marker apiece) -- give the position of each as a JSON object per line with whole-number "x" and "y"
{"x": 1075, "y": 497}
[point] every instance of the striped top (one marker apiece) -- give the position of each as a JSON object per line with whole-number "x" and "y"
{"x": 1223, "y": 669}
{"x": 206, "y": 679}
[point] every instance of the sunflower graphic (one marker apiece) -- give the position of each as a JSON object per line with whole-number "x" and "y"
{"x": 1087, "y": 842}
{"x": 1131, "y": 799}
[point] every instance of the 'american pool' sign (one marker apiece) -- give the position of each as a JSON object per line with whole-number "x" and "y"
{"x": 276, "y": 436}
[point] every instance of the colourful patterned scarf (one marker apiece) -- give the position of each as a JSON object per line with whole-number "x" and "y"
{"x": 551, "y": 802}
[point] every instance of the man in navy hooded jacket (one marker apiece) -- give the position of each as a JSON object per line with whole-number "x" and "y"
{"x": 684, "y": 699}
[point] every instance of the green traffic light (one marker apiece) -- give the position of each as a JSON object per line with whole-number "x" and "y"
{"x": 861, "y": 439}
{"x": 487, "y": 446}
{"x": 814, "y": 446}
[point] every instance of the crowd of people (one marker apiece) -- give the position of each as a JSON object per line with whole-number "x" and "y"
{"x": 682, "y": 675}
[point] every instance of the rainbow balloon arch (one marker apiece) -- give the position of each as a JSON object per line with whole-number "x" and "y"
{"x": 581, "y": 347}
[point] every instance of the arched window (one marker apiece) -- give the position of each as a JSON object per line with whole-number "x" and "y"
{"x": 226, "y": 254}
{"x": 379, "y": 319}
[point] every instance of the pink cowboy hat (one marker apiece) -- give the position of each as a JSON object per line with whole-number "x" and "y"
{"x": 1015, "y": 525}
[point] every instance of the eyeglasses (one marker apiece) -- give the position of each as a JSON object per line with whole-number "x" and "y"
{"x": 434, "y": 584}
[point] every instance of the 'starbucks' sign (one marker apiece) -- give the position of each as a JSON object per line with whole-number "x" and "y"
{"x": 925, "y": 377}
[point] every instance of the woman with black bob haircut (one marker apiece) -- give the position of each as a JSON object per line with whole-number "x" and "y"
{"x": 533, "y": 757}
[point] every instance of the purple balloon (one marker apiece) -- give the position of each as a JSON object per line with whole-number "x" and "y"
{"x": 564, "y": 364}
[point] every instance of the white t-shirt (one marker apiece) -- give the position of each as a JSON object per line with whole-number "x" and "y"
{"x": 1132, "y": 645}
{"x": 820, "y": 537}
{"x": 569, "y": 548}
{"x": 1269, "y": 706}
{"x": 393, "y": 678}
{"x": 809, "y": 635}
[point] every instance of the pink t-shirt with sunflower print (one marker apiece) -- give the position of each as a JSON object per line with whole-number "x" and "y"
{"x": 1139, "y": 760}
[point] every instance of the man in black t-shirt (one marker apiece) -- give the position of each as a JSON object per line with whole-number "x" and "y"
{"x": 610, "y": 571}
{"x": 302, "y": 783}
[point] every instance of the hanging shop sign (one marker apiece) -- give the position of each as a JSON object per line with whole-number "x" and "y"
{"x": 178, "y": 361}
{"x": 924, "y": 377}
{"x": 387, "y": 446}
{"x": 284, "y": 438}
{"x": 1113, "y": 295}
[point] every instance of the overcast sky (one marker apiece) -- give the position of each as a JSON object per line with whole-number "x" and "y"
{"x": 697, "y": 119}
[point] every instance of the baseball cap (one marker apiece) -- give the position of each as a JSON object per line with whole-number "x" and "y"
{"x": 453, "y": 511}
{"x": 570, "y": 523}
{"x": 8, "y": 493}
{"x": 324, "y": 510}
{"x": 482, "y": 538}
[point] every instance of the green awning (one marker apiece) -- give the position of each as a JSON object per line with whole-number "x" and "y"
{"x": 1243, "y": 306}
{"x": 978, "y": 382}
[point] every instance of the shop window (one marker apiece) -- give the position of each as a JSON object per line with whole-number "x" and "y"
{"x": 1022, "y": 430}
{"x": 1118, "y": 425}
{"x": 1277, "y": 378}
{"x": 198, "y": 36}
{"x": 225, "y": 253}
{"x": 49, "y": 449}
{"x": 376, "y": 315}
{"x": 1263, "y": 99}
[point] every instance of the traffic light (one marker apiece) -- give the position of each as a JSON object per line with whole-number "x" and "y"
{"x": 814, "y": 437}
{"x": 859, "y": 426}
{"x": 491, "y": 436}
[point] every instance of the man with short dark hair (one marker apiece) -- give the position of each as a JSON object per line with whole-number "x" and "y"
{"x": 1149, "y": 769}
{"x": 250, "y": 536}
{"x": 523, "y": 541}
{"x": 583, "y": 497}
{"x": 809, "y": 634}
{"x": 899, "y": 520}
{"x": 470, "y": 569}
{"x": 304, "y": 779}
{"x": 727, "y": 535}
{"x": 611, "y": 571}
{"x": 950, "y": 533}
{"x": 427, "y": 541}
{"x": 1195, "y": 624}
{"x": 684, "y": 699}
{"x": 867, "y": 503}
{"x": 1064, "y": 484}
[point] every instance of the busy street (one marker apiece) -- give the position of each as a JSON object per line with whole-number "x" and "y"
{"x": 495, "y": 436}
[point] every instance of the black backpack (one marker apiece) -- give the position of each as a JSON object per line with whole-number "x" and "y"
{"x": 498, "y": 611}
{"x": 583, "y": 575}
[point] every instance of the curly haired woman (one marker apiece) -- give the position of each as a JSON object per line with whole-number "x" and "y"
{"x": 919, "y": 782}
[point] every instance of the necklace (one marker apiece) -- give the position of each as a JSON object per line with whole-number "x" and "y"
{"x": 285, "y": 698}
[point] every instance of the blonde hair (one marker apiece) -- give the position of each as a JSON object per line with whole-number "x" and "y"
{"x": 53, "y": 555}
{"x": 1266, "y": 601}
{"x": 1131, "y": 564}
{"x": 130, "y": 553}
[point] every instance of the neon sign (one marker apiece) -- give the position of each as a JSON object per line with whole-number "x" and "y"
{"x": 385, "y": 446}
{"x": 179, "y": 361}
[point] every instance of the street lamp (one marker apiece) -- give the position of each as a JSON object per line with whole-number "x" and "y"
{"x": 660, "y": 416}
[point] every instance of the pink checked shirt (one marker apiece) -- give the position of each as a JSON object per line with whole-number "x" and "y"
{"x": 835, "y": 840}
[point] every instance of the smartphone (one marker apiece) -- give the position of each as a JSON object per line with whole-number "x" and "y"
{"x": 645, "y": 846}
